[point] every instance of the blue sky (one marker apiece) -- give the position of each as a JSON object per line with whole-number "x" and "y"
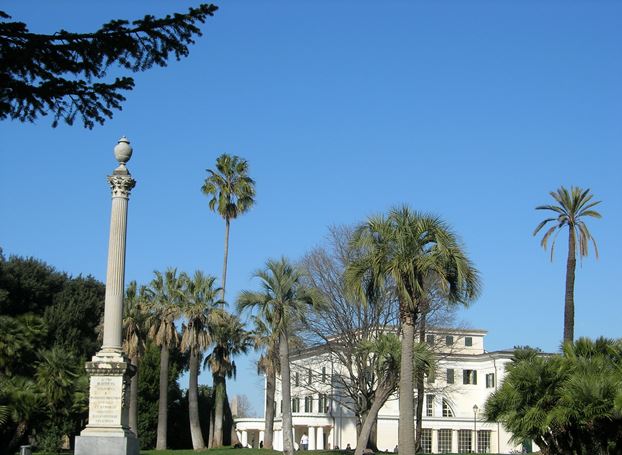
{"x": 472, "y": 110}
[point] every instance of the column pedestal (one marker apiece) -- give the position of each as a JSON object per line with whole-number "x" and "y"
{"x": 108, "y": 432}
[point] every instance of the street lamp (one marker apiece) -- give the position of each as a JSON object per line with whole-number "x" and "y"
{"x": 475, "y": 409}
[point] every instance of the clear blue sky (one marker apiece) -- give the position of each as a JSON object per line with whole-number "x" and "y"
{"x": 473, "y": 110}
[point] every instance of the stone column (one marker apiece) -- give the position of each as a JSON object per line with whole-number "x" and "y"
{"x": 434, "y": 440}
{"x": 262, "y": 436}
{"x": 320, "y": 438}
{"x": 107, "y": 431}
{"x": 311, "y": 438}
{"x": 244, "y": 439}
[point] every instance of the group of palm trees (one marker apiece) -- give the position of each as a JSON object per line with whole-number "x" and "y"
{"x": 404, "y": 253}
{"x": 152, "y": 312}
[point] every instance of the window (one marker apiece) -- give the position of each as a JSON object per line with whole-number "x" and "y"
{"x": 296, "y": 404}
{"x": 322, "y": 403}
{"x": 447, "y": 411}
{"x": 324, "y": 375}
{"x": 429, "y": 405}
{"x": 297, "y": 379}
{"x": 468, "y": 341}
{"x": 281, "y": 406}
{"x": 490, "y": 380}
{"x": 464, "y": 441}
{"x": 483, "y": 441}
{"x": 429, "y": 339}
{"x": 309, "y": 377}
{"x": 426, "y": 440}
{"x": 309, "y": 404}
{"x": 450, "y": 375}
{"x": 449, "y": 340}
{"x": 444, "y": 441}
{"x": 469, "y": 377}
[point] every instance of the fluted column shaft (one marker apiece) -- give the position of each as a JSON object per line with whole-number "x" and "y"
{"x": 121, "y": 183}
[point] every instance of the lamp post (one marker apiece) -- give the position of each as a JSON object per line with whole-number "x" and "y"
{"x": 475, "y": 409}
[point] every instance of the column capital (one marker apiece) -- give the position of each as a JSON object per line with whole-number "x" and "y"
{"x": 121, "y": 185}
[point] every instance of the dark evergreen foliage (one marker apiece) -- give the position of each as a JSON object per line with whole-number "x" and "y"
{"x": 75, "y": 314}
{"x": 63, "y": 73}
{"x": 47, "y": 329}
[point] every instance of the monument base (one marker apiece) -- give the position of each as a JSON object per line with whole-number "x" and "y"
{"x": 106, "y": 445}
{"x": 108, "y": 432}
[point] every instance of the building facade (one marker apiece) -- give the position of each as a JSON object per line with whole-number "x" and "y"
{"x": 465, "y": 375}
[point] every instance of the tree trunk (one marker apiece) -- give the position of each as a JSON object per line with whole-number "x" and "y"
{"x": 193, "y": 402}
{"x": 219, "y": 408}
{"x": 569, "y": 301}
{"x": 420, "y": 388}
{"x": 370, "y": 420}
{"x": 224, "y": 264}
{"x": 134, "y": 398}
{"x": 406, "y": 429}
{"x": 269, "y": 420}
{"x": 210, "y": 441}
{"x": 286, "y": 393}
{"x": 163, "y": 402}
{"x": 229, "y": 423}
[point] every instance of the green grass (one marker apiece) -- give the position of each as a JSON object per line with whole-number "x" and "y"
{"x": 228, "y": 451}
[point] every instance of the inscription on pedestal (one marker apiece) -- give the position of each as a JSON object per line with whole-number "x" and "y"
{"x": 106, "y": 400}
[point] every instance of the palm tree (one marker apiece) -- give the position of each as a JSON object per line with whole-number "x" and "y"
{"x": 230, "y": 339}
{"x": 232, "y": 193}
{"x": 282, "y": 301}
{"x": 572, "y": 207}
{"x": 400, "y": 251}
{"x": 268, "y": 364}
{"x": 199, "y": 300}
{"x": 164, "y": 294}
{"x": 134, "y": 338}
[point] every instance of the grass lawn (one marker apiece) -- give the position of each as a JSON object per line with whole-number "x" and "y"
{"x": 229, "y": 451}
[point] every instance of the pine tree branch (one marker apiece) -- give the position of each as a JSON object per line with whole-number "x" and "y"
{"x": 57, "y": 73}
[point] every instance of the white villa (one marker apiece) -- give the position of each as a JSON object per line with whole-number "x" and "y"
{"x": 466, "y": 375}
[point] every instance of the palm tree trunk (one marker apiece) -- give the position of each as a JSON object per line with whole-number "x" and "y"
{"x": 219, "y": 406}
{"x": 193, "y": 402}
{"x": 229, "y": 423}
{"x": 224, "y": 264}
{"x": 210, "y": 441}
{"x": 569, "y": 301}
{"x": 269, "y": 425}
{"x": 406, "y": 429}
{"x": 163, "y": 402}
{"x": 286, "y": 393}
{"x": 134, "y": 398}
{"x": 370, "y": 419}
{"x": 420, "y": 388}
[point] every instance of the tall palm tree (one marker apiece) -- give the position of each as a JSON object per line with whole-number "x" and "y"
{"x": 232, "y": 193}
{"x": 230, "y": 339}
{"x": 572, "y": 207}
{"x": 165, "y": 294}
{"x": 267, "y": 340}
{"x": 400, "y": 251}
{"x": 134, "y": 339}
{"x": 199, "y": 300}
{"x": 282, "y": 301}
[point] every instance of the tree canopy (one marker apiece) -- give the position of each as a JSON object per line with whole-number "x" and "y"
{"x": 64, "y": 73}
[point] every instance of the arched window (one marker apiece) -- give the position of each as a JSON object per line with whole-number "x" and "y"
{"x": 447, "y": 411}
